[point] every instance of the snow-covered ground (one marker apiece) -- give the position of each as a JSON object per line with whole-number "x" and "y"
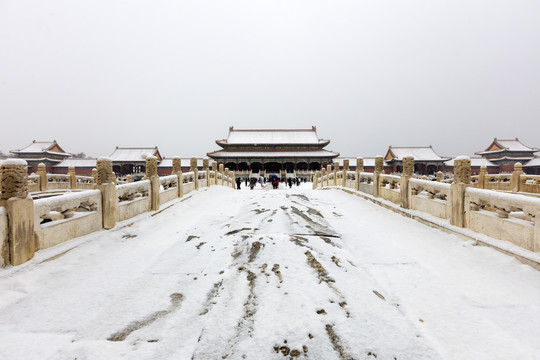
{"x": 270, "y": 274}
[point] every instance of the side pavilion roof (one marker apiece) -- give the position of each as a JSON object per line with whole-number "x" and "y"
{"x": 134, "y": 154}
{"x": 40, "y": 147}
{"x": 425, "y": 153}
{"x": 508, "y": 145}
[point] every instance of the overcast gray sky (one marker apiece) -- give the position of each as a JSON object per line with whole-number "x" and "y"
{"x": 99, "y": 73}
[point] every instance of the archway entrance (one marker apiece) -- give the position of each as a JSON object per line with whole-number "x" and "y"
{"x": 256, "y": 167}
{"x": 272, "y": 167}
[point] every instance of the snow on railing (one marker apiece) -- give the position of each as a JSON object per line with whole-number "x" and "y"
{"x": 429, "y": 189}
{"x": 504, "y": 216}
{"x": 60, "y": 218}
{"x": 132, "y": 191}
{"x": 168, "y": 182}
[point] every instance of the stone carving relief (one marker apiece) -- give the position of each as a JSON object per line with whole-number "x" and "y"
{"x": 408, "y": 165}
{"x": 14, "y": 181}
{"x": 462, "y": 171}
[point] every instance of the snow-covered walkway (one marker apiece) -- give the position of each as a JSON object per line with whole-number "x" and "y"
{"x": 278, "y": 274}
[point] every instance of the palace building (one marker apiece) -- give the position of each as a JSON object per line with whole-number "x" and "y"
{"x": 46, "y": 152}
{"x": 281, "y": 151}
{"x": 426, "y": 160}
{"x": 505, "y": 153}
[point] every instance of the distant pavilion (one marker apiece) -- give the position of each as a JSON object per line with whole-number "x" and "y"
{"x": 46, "y": 152}
{"x": 279, "y": 151}
{"x": 426, "y": 160}
{"x": 505, "y": 153}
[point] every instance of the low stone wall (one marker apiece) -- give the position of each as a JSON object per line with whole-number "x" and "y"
{"x": 65, "y": 217}
{"x": 48, "y": 221}
{"x": 512, "y": 217}
{"x": 133, "y": 199}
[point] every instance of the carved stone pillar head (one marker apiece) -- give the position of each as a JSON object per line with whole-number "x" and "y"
{"x": 193, "y": 164}
{"x": 214, "y": 166}
{"x": 41, "y": 167}
{"x": 104, "y": 171}
{"x": 323, "y": 171}
{"x": 408, "y": 165}
{"x": 346, "y": 165}
{"x": 220, "y": 168}
{"x": 518, "y": 167}
{"x": 440, "y": 176}
{"x": 151, "y": 166}
{"x": 336, "y": 166}
{"x": 227, "y": 171}
{"x": 14, "y": 182}
{"x": 176, "y": 165}
{"x": 71, "y": 169}
{"x": 360, "y": 164}
{"x": 379, "y": 164}
{"x": 483, "y": 169}
{"x": 205, "y": 163}
{"x": 329, "y": 168}
{"x": 462, "y": 170}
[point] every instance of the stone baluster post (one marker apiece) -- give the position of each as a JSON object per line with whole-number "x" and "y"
{"x": 195, "y": 169}
{"x": 227, "y": 177}
{"x": 515, "y": 181}
{"x": 151, "y": 174}
{"x": 323, "y": 174}
{"x": 128, "y": 179}
{"x": 462, "y": 179}
{"x": 328, "y": 172}
{"x": 94, "y": 175}
{"x": 359, "y": 169}
{"x": 109, "y": 199}
{"x": 206, "y": 169}
{"x": 404, "y": 188}
{"x": 221, "y": 173}
{"x": 233, "y": 179}
{"x": 440, "y": 176}
{"x": 336, "y": 169}
{"x": 379, "y": 168}
{"x": 177, "y": 169}
{"x": 20, "y": 245}
{"x": 42, "y": 172}
{"x": 315, "y": 179}
{"x": 345, "y": 169}
{"x": 214, "y": 171}
{"x": 482, "y": 177}
{"x": 72, "y": 177}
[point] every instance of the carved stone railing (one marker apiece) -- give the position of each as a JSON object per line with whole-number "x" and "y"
{"x": 389, "y": 188}
{"x": 133, "y": 199}
{"x": 430, "y": 197}
{"x": 504, "y": 216}
{"x": 33, "y": 183}
{"x": 61, "y": 218}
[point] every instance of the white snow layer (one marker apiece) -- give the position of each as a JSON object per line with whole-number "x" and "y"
{"x": 256, "y": 274}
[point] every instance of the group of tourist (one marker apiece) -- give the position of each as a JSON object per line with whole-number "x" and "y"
{"x": 273, "y": 180}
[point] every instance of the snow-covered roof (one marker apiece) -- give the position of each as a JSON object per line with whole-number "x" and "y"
{"x": 275, "y": 136}
{"x": 501, "y": 145}
{"x": 271, "y": 154}
{"x": 77, "y": 163}
{"x": 419, "y": 153}
{"x": 534, "y": 162}
{"x": 134, "y": 154}
{"x": 37, "y": 147}
{"x": 475, "y": 162}
{"x": 185, "y": 163}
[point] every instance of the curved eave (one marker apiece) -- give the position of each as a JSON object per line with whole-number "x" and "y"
{"x": 225, "y": 144}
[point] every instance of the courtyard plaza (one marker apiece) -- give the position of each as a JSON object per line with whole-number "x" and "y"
{"x": 270, "y": 274}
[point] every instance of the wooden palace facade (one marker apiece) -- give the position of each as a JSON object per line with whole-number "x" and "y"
{"x": 278, "y": 151}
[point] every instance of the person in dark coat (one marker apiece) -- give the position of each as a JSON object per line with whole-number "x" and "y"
{"x": 238, "y": 182}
